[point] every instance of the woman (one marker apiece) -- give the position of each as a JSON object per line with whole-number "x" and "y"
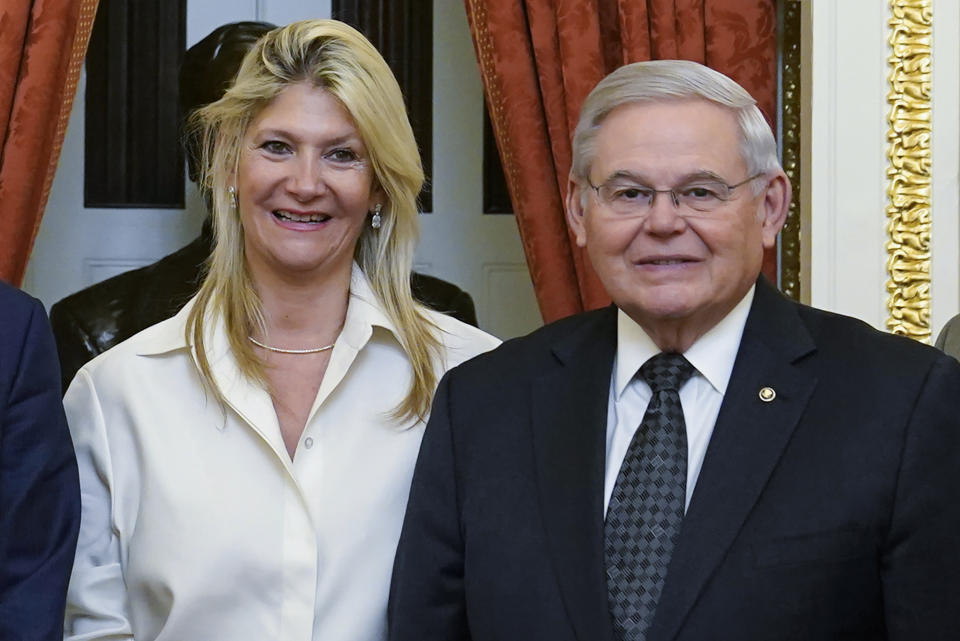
{"x": 245, "y": 464}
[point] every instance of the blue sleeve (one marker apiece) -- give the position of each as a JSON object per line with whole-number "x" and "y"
{"x": 39, "y": 490}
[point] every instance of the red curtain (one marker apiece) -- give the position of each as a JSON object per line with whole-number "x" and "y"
{"x": 42, "y": 45}
{"x": 540, "y": 58}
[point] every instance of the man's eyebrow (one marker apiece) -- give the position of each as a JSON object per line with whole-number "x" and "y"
{"x": 702, "y": 175}
{"x": 695, "y": 176}
{"x": 628, "y": 175}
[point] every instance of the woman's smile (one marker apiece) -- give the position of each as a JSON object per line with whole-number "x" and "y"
{"x": 303, "y": 168}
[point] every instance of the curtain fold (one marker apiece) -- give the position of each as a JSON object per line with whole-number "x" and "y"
{"x": 42, "y": 45}
{"x": 540, "y": 58}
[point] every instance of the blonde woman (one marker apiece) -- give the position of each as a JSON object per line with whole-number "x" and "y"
{"x": 245, "y": 465}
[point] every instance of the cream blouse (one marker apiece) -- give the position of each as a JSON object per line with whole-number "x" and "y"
{"x": 196, "y": 523}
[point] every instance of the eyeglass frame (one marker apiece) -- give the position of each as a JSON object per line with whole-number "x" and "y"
{"x": 673, "y": 191}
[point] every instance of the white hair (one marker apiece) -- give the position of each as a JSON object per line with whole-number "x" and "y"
{"x": 664, "y": 80}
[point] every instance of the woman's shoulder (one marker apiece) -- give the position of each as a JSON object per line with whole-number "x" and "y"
{"x": 458, "y": 340}
{"x": 136, "y": 352}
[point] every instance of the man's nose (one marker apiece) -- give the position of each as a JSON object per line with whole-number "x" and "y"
{"x": 664, "y": 217}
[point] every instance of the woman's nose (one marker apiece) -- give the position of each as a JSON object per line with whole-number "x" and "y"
{"x": 306, "y": 178}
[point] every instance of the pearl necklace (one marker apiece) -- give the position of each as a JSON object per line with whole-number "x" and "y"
{"x": 280, "y": 350}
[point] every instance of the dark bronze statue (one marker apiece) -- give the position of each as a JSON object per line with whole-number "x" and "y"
{"x": 97, "y": 318}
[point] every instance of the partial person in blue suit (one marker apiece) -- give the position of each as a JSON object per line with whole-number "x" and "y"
{"x": 39, "y": 490}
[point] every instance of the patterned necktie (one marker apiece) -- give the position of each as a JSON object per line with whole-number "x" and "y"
{"x": 647, "y": 505}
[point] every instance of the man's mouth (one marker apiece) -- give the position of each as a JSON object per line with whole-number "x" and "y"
{"x": 670, "y": 260}
{"x": 283, "y": 214}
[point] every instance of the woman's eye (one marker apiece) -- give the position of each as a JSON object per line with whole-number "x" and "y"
{"x": 275, "y": 147}
{"x": 342, "y": 155}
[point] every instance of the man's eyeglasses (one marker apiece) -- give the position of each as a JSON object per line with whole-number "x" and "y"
{"x": 627, "y": 198}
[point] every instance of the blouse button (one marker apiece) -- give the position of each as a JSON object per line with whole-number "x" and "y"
{"x": 308, "y": 442}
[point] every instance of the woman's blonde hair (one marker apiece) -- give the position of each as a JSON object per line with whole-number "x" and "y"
{"x": 337, "y": 58}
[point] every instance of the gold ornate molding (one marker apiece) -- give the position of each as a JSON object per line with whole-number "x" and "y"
{"x": 790, "y": 48}
{"x": 908, "y": 169}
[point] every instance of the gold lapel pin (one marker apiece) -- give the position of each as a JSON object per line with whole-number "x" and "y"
{"x": 767, "y": 394}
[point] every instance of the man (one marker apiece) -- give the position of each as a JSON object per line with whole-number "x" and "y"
{"x": 772, "y": 472}
{"x": 39, "y": 491}
{"x": 95, "y": 319}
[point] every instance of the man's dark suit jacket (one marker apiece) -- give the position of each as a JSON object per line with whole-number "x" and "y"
{"x": 831, "y": 512}
{"x": 39, "y": 492}
{"x": 95, "y": 319}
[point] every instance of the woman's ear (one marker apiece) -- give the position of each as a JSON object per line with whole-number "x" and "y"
{"x": 377, "y": 196}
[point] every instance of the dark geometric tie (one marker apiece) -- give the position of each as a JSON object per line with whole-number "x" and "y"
{"x": 646, "y": 508}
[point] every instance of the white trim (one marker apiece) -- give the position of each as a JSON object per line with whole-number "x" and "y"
{"x": 945, "y": 147}
{"x": 846, "y": 157}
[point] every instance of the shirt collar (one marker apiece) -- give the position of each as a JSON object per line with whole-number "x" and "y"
{"x": 166, "y": 336}
{"x": 364, "y": 312}
{"x": 713, "y": 354}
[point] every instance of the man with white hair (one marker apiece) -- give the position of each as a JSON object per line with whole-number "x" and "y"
{"x": 704, "y": 460}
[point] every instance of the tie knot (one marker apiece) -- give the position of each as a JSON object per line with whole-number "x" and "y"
{"x": 666, "y": 372}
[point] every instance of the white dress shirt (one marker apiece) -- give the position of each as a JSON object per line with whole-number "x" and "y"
{"x": 196, "y": 523}
{"x": 713, "y": 354}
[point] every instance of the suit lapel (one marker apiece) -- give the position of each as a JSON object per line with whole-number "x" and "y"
{"x": 569, "y": 418}
{"x": 747, "y": 442}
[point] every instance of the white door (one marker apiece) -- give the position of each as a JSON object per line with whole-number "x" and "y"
{"x": 78, "y": 246}
{"x": 480, "y": 252}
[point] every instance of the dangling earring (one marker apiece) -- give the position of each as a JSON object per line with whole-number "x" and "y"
{"x": 375, "y": 220}
{"x": 233, "y": 196}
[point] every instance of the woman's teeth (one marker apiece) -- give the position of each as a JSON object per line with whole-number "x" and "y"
{"x": 309, "y": 218}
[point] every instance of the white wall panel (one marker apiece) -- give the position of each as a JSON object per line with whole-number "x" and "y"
{"x": 203, "y": 16}
{"x": 510, "y": 306}
{"x": 458, "y": 240}
{"x": 847, "y": 110}
{"x": 848, "y": 157}
{"x": 286, "y": 11}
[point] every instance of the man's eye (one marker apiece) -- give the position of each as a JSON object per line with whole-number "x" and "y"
{"x": 342, "y": 155}
{"x": 625, "y": 192}
{"x": 701, "y": 192}
{"x": 275, "y": 147}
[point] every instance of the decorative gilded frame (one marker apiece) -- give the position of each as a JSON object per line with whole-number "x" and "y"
{"x": 909, "y": 169}
{"x": 789, "y": 20}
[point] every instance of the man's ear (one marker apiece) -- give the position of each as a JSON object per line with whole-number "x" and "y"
{"x": 774, "y": 207}
{"x": 574, "y": 210}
